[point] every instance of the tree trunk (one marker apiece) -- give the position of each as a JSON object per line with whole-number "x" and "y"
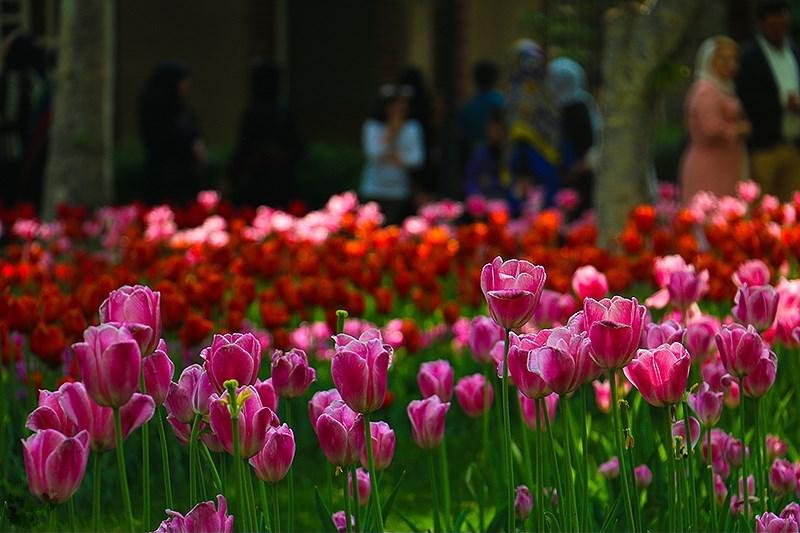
{"x": 640, "y": 37}
{"x": 79, "y": 168}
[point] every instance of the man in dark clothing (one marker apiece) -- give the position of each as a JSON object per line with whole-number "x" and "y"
{"x": 769, "y": 87}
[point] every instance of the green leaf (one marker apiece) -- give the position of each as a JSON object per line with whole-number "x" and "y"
{"x": 498, "y": 520}
{"x": 460, "y": 520}
{"x": 387, "y": 508}
{"x": 408, "y": 522}
{"x": 323, "y": 512}
{"x": 611, "y": 515}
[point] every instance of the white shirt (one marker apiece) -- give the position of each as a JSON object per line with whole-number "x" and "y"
{"x": 784, "y": 68}
{"x": 384, "y": 179}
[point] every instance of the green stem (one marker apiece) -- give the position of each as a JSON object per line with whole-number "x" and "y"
{"x": 712, "y": 499}
{"x": 290, "y": 477}
{"x": 123, "y": 474}
{"x": 375, "y": 493}
{"x": 346, "y": 494}
{"x": 584, "y": 430}
{"x": 356, "y": 509}
{"x": 626, "y": 489}
{"x": 559, "y": 483}
{"x": 264, "y": 505}
{"x": 539, "y": 475}
{"x": 251, "y": 495}
{"x": 763, "y": 486}
{"x": 241, "y": 498}
{"x": 668, "y": 446}
{"x": 145, "y": 463}
{"x": 448, "y": 517}
{"x": 96, "y": 481}
{"x": 193, "y": 461}
{"x": 434, "y": 493}
{"x": 277, "y": 515}
{"x": 162, "y": 437}
{"x": 507, "y": 436}
{"x": 526, "y": 456}
{"x": 213, "y": 468}
{"x": 73, "y": 523}
{"x": 690, "y": 456}
{"x": 742, "y": 427}
{"x": 572, "y": 499}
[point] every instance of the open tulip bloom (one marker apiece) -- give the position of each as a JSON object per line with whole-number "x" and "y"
{"x": 512, "y": 289}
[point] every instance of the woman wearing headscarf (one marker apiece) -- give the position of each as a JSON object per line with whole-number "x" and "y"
{"x": 581, "y": 127}
{"x": 715, "y": 159}
{"x": 174, "y": 149}
{"x": 533, "y": 123}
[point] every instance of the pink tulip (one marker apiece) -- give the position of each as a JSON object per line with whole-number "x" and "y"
{"x": 782, "y": 478}
{"x": 291, "y": 373}
{"x": 266, "y": 391}
{"x": 707, "y": 404}
{"x": 663, "y": 268}
{"x": 679, "y": 430}
{"x": 338, "y": 434}
{"x": 55, "y": 464}
{"x": 699, "y": 337}
{"x": 201, "y": 396}
{"x": 602, "y": 395}
{"x": 609, "y": 469}
{"x": 776, "y": 447}
{"x": 615, "y": 328}
{"x": 427, "y": 421}
{"x": 203, "y": 518}
{"x": 720, "y": 489}
{"x": 667, "y": 332}
{"x": 770, "y": 523}
{"x": 564, "y": 361}
{"x": 792, "y": 511}
{"x": 254, "y": 420}
{"x": 232, "y": 356}
{"x": 179, "y": 398}
{"x": 273, "y": 461}
{"x": 554, "y": 308}
{"x": 364, "y": 486}
{"x": 436, "y": 377}
{"x": 756, "y": 306}
{"x": 483, "y": 334}
{"x": 319, "y": 402}
{"x": 529, "y": 411}
{"x": 740, "y": 349}
{"x": 158, "y": 370}
{"x": 50, "y": 415}
{"x": 383, "y": 443}
{"x": 85, "y": 414}
{"x": 110, "y": 361}
{"x": 339, "y": 519}
{"x": 360, "y": 370}
{"x": 760, "y": 380}
{"x": 737, "y": 500}
{"x": 754, "y": 272}
{"x": 733, "y": 452}
{"x": 686, "y": 287}
{"x": 521, "y": 349}
{"x": 660, "y": 374}
{"x": 588, "y": 282}
{"x": 643, "y": 476}
{"x": 523, "y": 502}
{"x": 138, "y": 304}
{"x": 512, "y": 290}
{"x": 474, "y": 395}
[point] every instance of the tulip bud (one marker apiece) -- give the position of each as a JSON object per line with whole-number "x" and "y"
{"x": 699, "y": 337}
{"x": 760, "y": 380}
{"x": 364, "y": 487}
{"x": 588, "y": 282}
{"x": 203, "y": 517}
{"x": 244, "y": 406}
{"x": 319, "y": 402}
{"x": 132, "y": 305}
{"x": 55, "y": 464}
{"x": 158, "y": 370}
{"x": 776, "y": 447}
{"x": 266, "y": 391}
{"x": 792, "y": 511}
{"x": 273, "y": 461}
{"x": 667, "y": 332}
{"x": 339, "y": 519}
{"x": 483, "y": 334}
{"x": 338, "y": 434}
{"x": 291, "y": 373}
{"x": 609, "y": 469}
{"x": 512, "y": 289}
{"x": 660, "y": 374}
{"x": 383, "y": 443}
{"x": 740, "y": 349}
{"x": 232, "y": 356}
{"x": 643, "y": 475}
{"x": 753, "y": 273}
{"x": 615, "y": 328}
{"x": 756, "y": 306}
{"x": 474, "y": 395}
{"x": 523, "y": 502}
{"x": 427, "y": 421}
{"x": 436, "y": 377}
{"x": 707, "y": 404}
{"x": 686, "y": 287}
{"x": 679, "y": 430}
{"x": 110, "y": 361}
{"x": 360, "y": 370}
{"x": 782, "y": 478}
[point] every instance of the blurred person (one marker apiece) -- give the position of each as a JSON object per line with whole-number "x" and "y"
{"x": 581, "y": 127}
{"x": 533, "y": 119}
{"x": 715, "y": 159}
{"x": 769, "y": 87}
{"x": 394, "y": 146}
{"x": 23, "y": 100}
{"x": 175, "y": 151}
{"x": 421, "y": 107}
{"x": 474, "y": 115}
{"x": 268, "y": 148}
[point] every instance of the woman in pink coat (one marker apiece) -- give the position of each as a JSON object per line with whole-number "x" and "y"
{"x": 715, "y": 159}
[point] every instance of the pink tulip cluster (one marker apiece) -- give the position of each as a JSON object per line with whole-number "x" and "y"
{"x": 745, "y": 356}
{"x": 204, "y": 517}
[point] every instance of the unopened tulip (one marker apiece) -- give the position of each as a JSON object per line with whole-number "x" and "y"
{"x": 383, "y": 443}
{"x": 564, "y": 361}
{"x": 740, "y": 349}
{"x": 609, "y": 469}
{"x": 273, "y": 461}
{"x": 792, "y": 511}
{"x": 737, "y": 500}
{"x": 436, "y": 377}
{"x": 110, "y": 362}
{"x": 131, "y": 305}
{"x": 179, "y": 398}
{"x": 771, "y": 523}
{"x": 523, "y": 502}
{"x": 720, "y": 489}
{"x": 50, "y": 415}
{"x": 753, "y": 273}
{"x": 667, "y": 332}
{"x": 756, "y": 306}
{"x": 733, "y": 452}
{"x": 588, "y": 282}
{"x": 364, "y": 486}
{"x": 158, "y": 370}
{"x": 55, "y": 464}
{"x": 291, "y": 373}
{"x": 85, "y": 414}
{"x": 483, "y": 334}
{"x": 699, "y": 337}
{"x": 512, "y": 289}
{"x": 643, "y": 476}
{"x": 660, "y": 375}
{"x": 760, "y": 380}
{"x": 615, "y": 328}
{"x": 232, "y": 356}
{"x": 782, "y": 478}
{"x": 679, "y": 430}
{"x": 707, "y": 404}
{"x": 203, "y": 518}
{"x": 686, "y": 287}
{"x": 338, "y": 433}
{"x": 339, "y": 519}
{"x": 201, "y": 396}
{"x": 534, "y": 419}
{"x": 253, "y": 421}
{"x": 266, "y": 391}
{"x": 360, "y": 370}
{"x": 776, "y": 447}
{"x": 427, "y": 421}
{"x": 319, "y": 402}
{"x": 474, "y": 395}
{"x": 521, "y": 347}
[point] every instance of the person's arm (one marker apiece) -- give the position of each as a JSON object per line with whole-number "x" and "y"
{"x": 712, "y": 124}
{"x": 411, "y": 146}
{"x": 374, "y": 141}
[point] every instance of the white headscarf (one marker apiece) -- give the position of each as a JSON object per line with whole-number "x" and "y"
{"x": 704, "y": 69}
